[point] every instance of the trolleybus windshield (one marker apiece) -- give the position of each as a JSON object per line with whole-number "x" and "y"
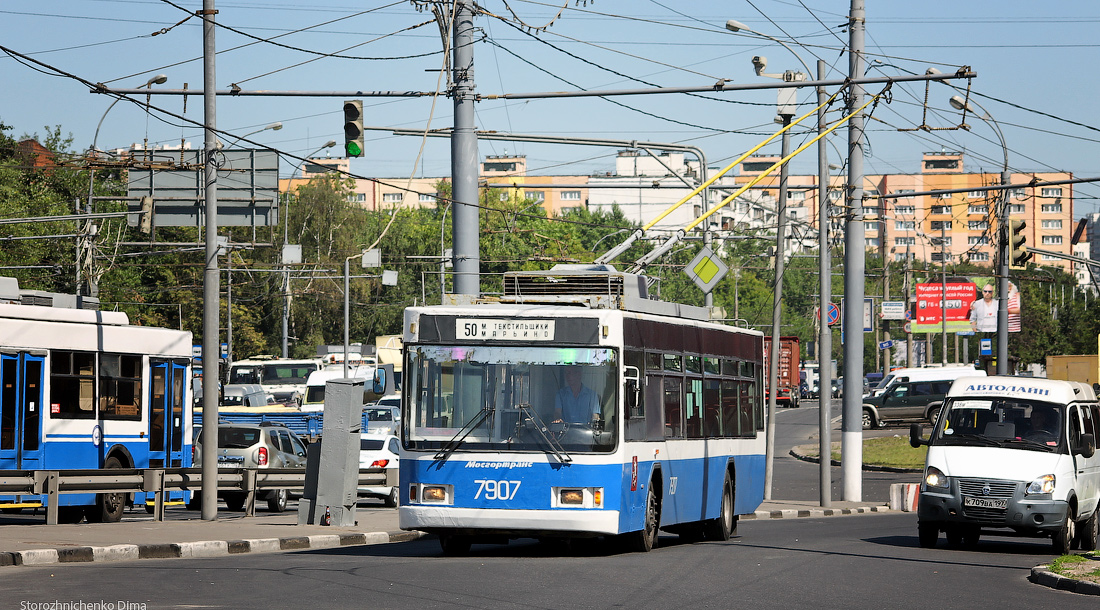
{"x": 514, "y": 398}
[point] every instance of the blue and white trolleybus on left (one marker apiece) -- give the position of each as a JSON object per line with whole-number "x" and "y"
{"x": 84, "y": 389}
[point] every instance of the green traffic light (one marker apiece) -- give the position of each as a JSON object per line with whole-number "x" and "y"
{"x": 353, "y": 150}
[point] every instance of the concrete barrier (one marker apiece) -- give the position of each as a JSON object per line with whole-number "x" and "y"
{"x": 903, "y": 496}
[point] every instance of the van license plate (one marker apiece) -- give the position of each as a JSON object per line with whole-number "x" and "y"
{"x": 998, "y": 503}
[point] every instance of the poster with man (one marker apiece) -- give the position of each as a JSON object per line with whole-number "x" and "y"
{"x": 983, "y": 312}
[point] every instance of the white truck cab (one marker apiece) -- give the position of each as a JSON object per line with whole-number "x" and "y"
{"x": 1012, "y": 453}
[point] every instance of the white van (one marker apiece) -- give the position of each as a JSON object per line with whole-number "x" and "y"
{"x": 928, "y": 373}
{"x": 1015, "y": 453}
{"x": 314, "y": 399}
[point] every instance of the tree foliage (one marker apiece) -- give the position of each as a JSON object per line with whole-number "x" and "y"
{"x": 161, "y": 281}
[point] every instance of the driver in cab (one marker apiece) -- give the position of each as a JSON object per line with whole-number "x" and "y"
{"x": 576, "y": 403}
{"x": 1044, "y": 426}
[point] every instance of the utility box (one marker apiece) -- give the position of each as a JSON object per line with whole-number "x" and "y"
{"x": 332, "y": 472}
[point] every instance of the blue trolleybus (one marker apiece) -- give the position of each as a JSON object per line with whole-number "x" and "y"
{"x": 83, "y": 389}
{"x": 574, "y": 406}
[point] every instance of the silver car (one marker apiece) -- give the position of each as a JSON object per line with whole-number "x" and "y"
{"x": 267, "y": 445}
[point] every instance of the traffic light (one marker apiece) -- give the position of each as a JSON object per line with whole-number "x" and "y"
{"x": 145, "y": 224}
{"x": 353, "y": 128}
{"x": 1017, "y": 252}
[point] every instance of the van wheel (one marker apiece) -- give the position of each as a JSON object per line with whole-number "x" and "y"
{"x": 1089, "y": 531}
{"x": 927, "y": 534}
{"x": 1063, "y": 538}
{"x": 869, "y": 420}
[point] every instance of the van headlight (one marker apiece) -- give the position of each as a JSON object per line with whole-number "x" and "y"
{"x": 934, "y": 478}
{"x": 1042, "y": 485}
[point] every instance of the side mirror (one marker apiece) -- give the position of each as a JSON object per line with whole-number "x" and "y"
{"x": 1086, "y": 447}
{"x": 631, "y": 387}
{"x": 379, "y": 381}
{"x": 916, "y": 434}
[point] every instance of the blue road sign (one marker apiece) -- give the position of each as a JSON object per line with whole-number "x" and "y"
{"x": 832, "y": 315}
{"x": 886, "y": 345}
{"x": 985, "y": 347}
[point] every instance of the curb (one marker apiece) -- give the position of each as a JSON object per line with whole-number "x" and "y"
{"x": 815, "y": 512}
{"x": 203, "y": 548}
{"x": 1040, "y": 575}
{"x": 798, "y": 454}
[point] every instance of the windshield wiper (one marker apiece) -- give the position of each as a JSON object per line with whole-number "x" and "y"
{"x": 963, "y": 438}
{"x": 460, "y": 436}
{"x": 529, "y": 419}
{"x": 1032, "y": 443}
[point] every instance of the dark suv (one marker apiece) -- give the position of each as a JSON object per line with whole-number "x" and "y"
{"x": 908, "y": 400}
{"x": 267, "y": 445}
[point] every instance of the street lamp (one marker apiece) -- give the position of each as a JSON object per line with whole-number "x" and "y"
{"x": 734, "y": 25}
{"x": 286, "y": 238}
{"x": 276, "y": 126}
{"x": 159, "y": 79}
{"x": 958, "y": 103}
{"x": 786, "y": 103}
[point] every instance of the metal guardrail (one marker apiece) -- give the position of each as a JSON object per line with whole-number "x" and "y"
{"x": 53, "y": 483}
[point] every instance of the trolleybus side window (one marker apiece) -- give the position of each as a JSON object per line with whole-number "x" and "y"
{"x": 7, "y": 404}
{"x": 120, "y": 387}
{"x": 693, "y": 407}
{"x": 673, "y": 402}
{"x": 72, "y": 385}
{"x": 729, "y": 407}
{"x": 712, "y": 407}
{"x": 694, "y": 364}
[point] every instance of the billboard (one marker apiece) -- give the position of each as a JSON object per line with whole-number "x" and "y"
{"x": 248, "y": 188}
{"x": 971, "y": 305}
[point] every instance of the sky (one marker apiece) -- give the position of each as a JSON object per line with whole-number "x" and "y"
{"x": 1035, "y": 66}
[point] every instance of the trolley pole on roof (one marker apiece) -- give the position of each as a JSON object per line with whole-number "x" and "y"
{"x": 464, "y": 157}
{"x": 854, "y": 265}
{"x": 211, "y": 311}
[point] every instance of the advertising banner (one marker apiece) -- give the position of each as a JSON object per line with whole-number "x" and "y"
{"x": 972, "y": 306}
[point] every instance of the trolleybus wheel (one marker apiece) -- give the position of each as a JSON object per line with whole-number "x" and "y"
{"x": 721, "y": 528}
{"x": 646, "y": 539}
{"x": 454, "y": 544}
{"x": 108, "y": 506}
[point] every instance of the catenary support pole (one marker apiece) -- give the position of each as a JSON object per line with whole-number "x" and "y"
{"x": 854, "y": 266}
{"x": 825, "y": 271}
{"x": 774, "y": 354}
{"x": 211, "y": 311}
{"x": 464, "y": 156}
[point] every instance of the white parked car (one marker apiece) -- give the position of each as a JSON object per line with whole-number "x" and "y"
{"x": 380, "y": 451}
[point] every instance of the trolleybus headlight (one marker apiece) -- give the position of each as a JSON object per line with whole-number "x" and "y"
{"x": 434, "y": 493}
{"x": 1042, "y": 485}
{"x": 572, "y": 496}
{"x": 934, "y": 477}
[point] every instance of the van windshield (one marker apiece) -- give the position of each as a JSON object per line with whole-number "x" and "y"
{"x": 1031, "y": 425}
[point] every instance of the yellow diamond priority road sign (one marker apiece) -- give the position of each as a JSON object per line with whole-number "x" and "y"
{"x": 706, "y": 270}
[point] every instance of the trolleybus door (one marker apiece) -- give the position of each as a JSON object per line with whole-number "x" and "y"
{"x": 166, "y": 396}
{"x": 21, "y": 411}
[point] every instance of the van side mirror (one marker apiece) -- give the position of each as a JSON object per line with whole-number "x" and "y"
{"x": 1086, "y": 447}
{"x": 916, "y": 434}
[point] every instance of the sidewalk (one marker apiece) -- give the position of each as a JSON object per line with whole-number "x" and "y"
{"x": 137, "y": 536}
